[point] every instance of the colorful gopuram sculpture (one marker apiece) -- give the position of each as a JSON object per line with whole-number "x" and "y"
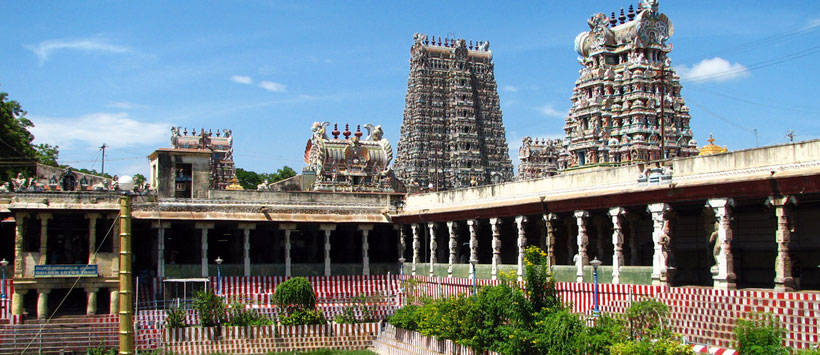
{"x": 452, "y": 135}
{"x": 348, "y": 163}
{"x": 627, "y": 93}
{"x": 222, "y": 168}
{"x": 538, "y": 158}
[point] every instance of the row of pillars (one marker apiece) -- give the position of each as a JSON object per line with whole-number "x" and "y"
{"x": 286, "y": 228}
{"x": 723, "y": 274}
{"x": 42, "y": 301}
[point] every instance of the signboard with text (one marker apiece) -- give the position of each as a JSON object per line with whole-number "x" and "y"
{"x": 65, "y": 270}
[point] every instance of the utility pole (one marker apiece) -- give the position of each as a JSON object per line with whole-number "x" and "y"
{"x": 790, "y": 134}
{"x": 103, "y": 158}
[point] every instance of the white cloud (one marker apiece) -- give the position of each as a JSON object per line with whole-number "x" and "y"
{"x": 550, "y": 111}
{"x": 125, "y": 105}
{"x": 814, "y": 23}
{"x": 241, "y": 79}
{"x": 510, "y": 88}
{"x": 118, "y": 130}
{"x": 45, "y": 48}
{"x": 715, "y": 69}
{"x": 272, "y": 86}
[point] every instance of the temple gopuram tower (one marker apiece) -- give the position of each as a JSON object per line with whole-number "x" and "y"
{"x": 626, "y": 86}
{"x": 452, "y": 135}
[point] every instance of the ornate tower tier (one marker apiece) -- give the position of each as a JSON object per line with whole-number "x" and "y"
{"x": 627, "y": 93}
{"x": 452, "y": 135}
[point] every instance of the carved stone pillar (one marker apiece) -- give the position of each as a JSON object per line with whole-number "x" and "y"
{"x": 550, "y": 221}
{"x": 42, "y": 303}
{"x": 617, "y": 214}
{"x": 92, "y": 237}
{"x": 19, "y": 233}
{"x": 204, "y": 226}
{"x": 472, "y": 225}
{"x": 495, "y": 225}
{"x": 327, "y": 228}
{"x": 246, "y": 246}
{"x": 723, "y": 275}
{"x": 17, "y": 301}
{"x": 287, "y": 228}
{"x": 161, "y": 227}
{"x": 783, "y": 209}
{"x": 416, "y": 246}
{"x": 91, "y": 306}
{"x": 431, "y": 227}
{"x": 44, "y": 217}
{"x": 114, "y": 302}
{"x": 661, "y": 238}
{"x": 581, "y": 258}
{"x": 402, "y": 244}
{"x": 451, "y": 229}
{"x": 365, "y": 228}
{"x": 520, "y": 223}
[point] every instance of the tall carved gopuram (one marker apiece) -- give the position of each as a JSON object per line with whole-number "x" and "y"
{"x": 452, "y": 135}
{"x": 626, "y": 85}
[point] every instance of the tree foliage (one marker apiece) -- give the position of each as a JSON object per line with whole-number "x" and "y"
{"x": 16, "y": 142}
{"x": 250, "y": 179}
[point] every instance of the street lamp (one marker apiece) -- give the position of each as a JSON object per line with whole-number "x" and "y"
{"x": 595, "y": 264}
{"x": 218, "y": 275}
{"x": 3, "y": 263}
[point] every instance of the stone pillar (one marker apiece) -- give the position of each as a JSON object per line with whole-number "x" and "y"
{"x": 783, "y": 280}
{"x": 246, "y": 246}
{"x": 495, "y": 225}
{"x": 661, "y": 238}
{"x": 91, "y": 307}
{"x": 472, "y": 224}
{"x": 92, "y": 237}
{"x": 581, "y": 258}
{"x": 634, "y": 248}
{"x": 365, "y": 228}
{"x": 451, "y": 229}
{"x": 617, "y": 214}
{"x": 327, "y": 228}
{"x": 161, "y": 227}
{"x": 402, "y": 243}
{"x": 17, "y": 301}
{"x": 723, "y": 273}
{"x": 19, "y": 233}
{"x": 44, "y": 217}
{"x": 204, "y": 226}
{"x": 114, "y": 302}
{"x": 416, "y": 246}
{"x": 287, "y": 228}
{"x": 42, "y": 303}
{"x": 520, "y": 222}
{"x": 550, "y": 219}
{"x": 433, "y": 245}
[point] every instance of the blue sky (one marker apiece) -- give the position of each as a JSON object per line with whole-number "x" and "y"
{"x": 122, "y": 73}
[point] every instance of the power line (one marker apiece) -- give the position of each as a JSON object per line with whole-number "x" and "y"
{"x": 763, "y": 64}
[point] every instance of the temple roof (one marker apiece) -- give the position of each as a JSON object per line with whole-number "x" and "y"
{"x": 712, "y": 148}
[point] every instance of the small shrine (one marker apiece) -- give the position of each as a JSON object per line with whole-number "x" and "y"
{"x": 712, "y": 148}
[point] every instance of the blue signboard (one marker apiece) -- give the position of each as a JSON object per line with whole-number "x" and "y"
{"x": 65, "y": 270}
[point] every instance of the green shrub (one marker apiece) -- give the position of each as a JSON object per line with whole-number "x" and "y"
{"x": 607, "y": 331}
{"x": 813, "y": 351}
{"x": 760, "y": 334}
{"x": 405, "y": 317}
{"x": 649, "y": 347}
{"x": 492, "y": 308}
{"x": 304, "y": 317}
{"x": 241, "y": 317}
{"x": 540, "y": 284}
{"x": 447, "y": 318}
{"x": 102, "y": 351}
{"x": 210, "y": 308}
{"x": 647, "y": 319}
{"x": 295, "y": 294}
{"x": 175, "y": 318}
